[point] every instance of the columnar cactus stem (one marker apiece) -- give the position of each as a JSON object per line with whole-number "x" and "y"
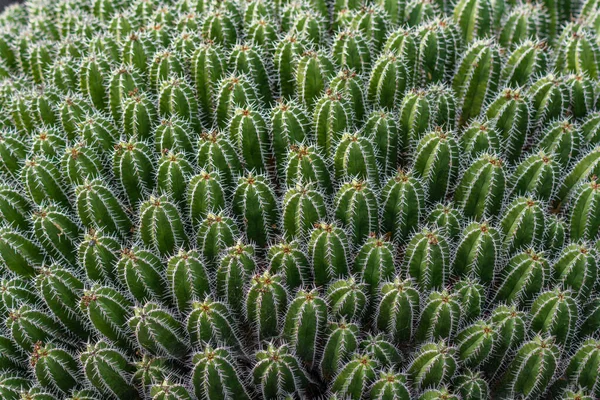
{"x": 355, "y": 206}
{"x": 54, "y": 367}
{"x": 479, "y": 252}
{"x": 141, "y": 272}
{"x": 476, "y": 79}
{"x": 278, "y": 372}
{"x": 436, "y": 162}
{"x": 255, "y": 202}
{"x": 403, "y": 202}
{"x": 188, "y": 279}
{"x": 341, "y": 343}
{"x": 302, "y": 207}
{"x": 329, "y": 252}
{"x": 427, "y": 259}
{"x": 57, "y": 231}
{"x": 523, "y": 224}
{"x": 210, "y": 321}
{"x": 305, "y": 323}
{"x": 398, "y": 310}
{"x": 441, "y": 314}
{"x": 108, "y": 310}
{"x": 248, "y": 133}
{"x": 215, "y": 375}
{"x": 288, "y": 259}
{"x": 216, "y": 232}
{"x": 355, "y": 377}
{"x": 433, "y": 364}
{"x": 19, "y": 252}
{"x": 291, "y": 127}
{"x": 108, "y": 370}
{"x": 304, "y": 165}
{"x": 60, "y": 290}
{"x": 524, "y": 276}
{"x": 266, "y": 301}
{"x": 157, "y": 331}
{"x": 389, "y": 79}
{"x": 480, "y": 190}
{"x": 354, "y": 157}
{"x": 156, "y": 214}
{"x": 532, "y": 369}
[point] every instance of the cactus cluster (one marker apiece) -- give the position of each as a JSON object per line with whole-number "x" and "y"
{"x": 300, "y": 199}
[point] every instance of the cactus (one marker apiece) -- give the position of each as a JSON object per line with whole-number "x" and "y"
{"x": 60, "y": 289}
{"x": 341, "y": 343}
{"x": 355, "y": 377}
{"x": 510, "y": 113}
{"x": 523, "y": 224}
{"x": 255, "y": 202}
{"x": 55, "y": 368}
{"x": 205, "y": 194}
{"x": 562, "y": 139}
{"x": 440, "y": 316}
{"x": 481, "y": 188}
{"x": 108, "y": 371}
{"x": 313, "y": 73}
{"x": 57, "y": 231}
{"x": 381, "y": 350}
{"x": 169, "y": 391}
{"x": 249, "y": 135}
{"x": 290, "y": 127}
{"x": 436, "y": 163}
{"x": 528, "y": 59}
{"x": 471, "y": 296}
{"x": 155, "y": 215}
{"x": 277, "y": 371}
{"x": 524, "y": 276}
{"x": 402, "y": 201}
{"x": 471, "y": 385}
{"x": 288, "y": 260}
{"x": 157, "y": 331}
{"x": 173, "y": 133}
{"x": 439, "y": 45}
{"x": 133, "y": 168}
{"x": 217, "y": 154}
{"x": 236, "y": 264}
{"x": 555, "y": 313}
{"x": 98, "y": 207}
{"x": 585, "y": 215}
{"x": 305, "y": 164}
{"x": 355, "y": 206}
{"x": 303, "y": 206}
{"x": 140, "y": 270}
{"x": 571, "y": 47}
{"x": 332, "y": 116}
{"x": 388, "y": 81}
{"x": 438, "y": 394}
{"x": 374, "y": 262}
{"x": 266, "y": 301}
{"x": 479, "y": 252}
{"x": 523, "y": 21}
{"x": 188, "y": 279}
{"x": 305, "y": 323}
{"x": 19, "y": 252}
{"x": 476, "y": 80}
{"x": 433, "y": 364}
{"x": 347, "y": 299}
{"x": 427, "y": 259}
{"x": 537, "y": 176}
{"x": 210, "y": 320}
{"x": 532, "y": 369}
